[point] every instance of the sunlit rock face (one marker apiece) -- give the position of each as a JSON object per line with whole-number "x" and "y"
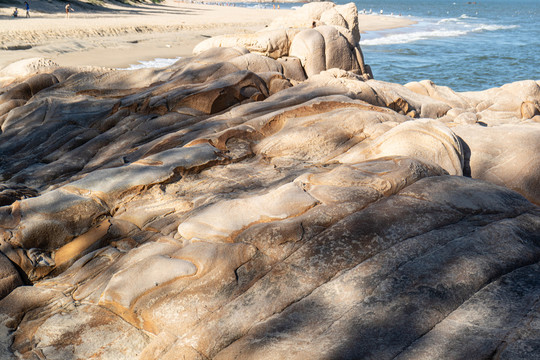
{"x": 219, "y": 208}
{"x": 318, "y": 36}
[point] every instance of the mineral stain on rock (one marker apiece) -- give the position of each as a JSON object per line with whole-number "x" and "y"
{"x": 267, "y": 199}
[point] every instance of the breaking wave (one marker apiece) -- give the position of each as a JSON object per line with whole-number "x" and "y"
{"x": 456, "y": 19}
{"x": 483, "y": 27}
{"x": 411, "y": 37}
{"x": 425, "y": 34}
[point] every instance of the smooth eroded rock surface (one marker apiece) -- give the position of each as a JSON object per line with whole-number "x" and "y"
{"x": 229, "y": 207}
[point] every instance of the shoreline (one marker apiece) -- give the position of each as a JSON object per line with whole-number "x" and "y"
{"x": 119, "y": 36}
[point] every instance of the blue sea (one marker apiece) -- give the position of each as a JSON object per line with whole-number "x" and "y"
{"x": 465, "y": 45}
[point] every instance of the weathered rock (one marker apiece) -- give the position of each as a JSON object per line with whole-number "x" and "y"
{"x": 441, "y": 93}
{"x": 529, "y": 110}
{"x": 281, "y": 203}
{"x": 405, "y": 101}
{"x": 323, "y": 48}
{"x": 292, "y": 68}
{"x": 514, "y": 293}
{"x": 300, "y": 138}
{"x": 22, "y": 91}
{"x": 462, "y": 117}
{"x": 309, "y": 47}
{"x": 322, "y": 13}
{"x": 40, "y": 82}
{"x": 10, "y": 194}
{"x": 349, "y": 12}
{"x": 290, "y": 307}
{"x": 153, "y": 264}
{"x": 508, "y": 104}
{"x": 333, "y": 43}
{"x": 219, "y": 208}
{"x": 256, "y": 63}
{"x": 338, "y": 50}
{"x": 428, "y": 141}
{"x": 9, "y": 105}
{"x": 273, "y": 43}
{"x": 333, "y": 17}
{"x": 23, "y": 68}
{"x": 276, "y": 82}
{"x": 9, "y": 277}
{"x": 489, "y": 158}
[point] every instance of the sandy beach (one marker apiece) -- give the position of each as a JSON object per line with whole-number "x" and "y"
{"x": 117, "y": 36}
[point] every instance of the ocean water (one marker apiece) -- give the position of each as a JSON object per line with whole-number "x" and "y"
{"x": 464, "y": 45}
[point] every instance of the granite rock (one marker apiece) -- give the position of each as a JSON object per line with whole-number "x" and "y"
{"x": 229, "y": 207}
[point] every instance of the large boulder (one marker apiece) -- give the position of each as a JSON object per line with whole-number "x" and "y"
{"x": 323, "y": 48}
{"x": 349, "y": 12}
{"x": 333, "y": 17}
{"x": 322, "y": 13}
{"x": 331, "y": 40}
{"x": 489, "y": 156}
{"x": 309, "y": 47}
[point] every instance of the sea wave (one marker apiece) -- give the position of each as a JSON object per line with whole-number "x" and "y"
{"x": 403, "y": 38}
{"x": 449, "y": 20}
{"x": 485, "y": 27}
{"x": 456, "y": 19}
{"x": 412, "y": 37}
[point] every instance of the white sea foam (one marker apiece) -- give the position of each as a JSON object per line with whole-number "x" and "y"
{"x": 412, "y": 37}
{"x": 447, "y": 20}
{"x": 456, "y": 19}
{"x": 156, "y": 63}
{"x": 484, "y": 27}
{"x": 438, "y": 32}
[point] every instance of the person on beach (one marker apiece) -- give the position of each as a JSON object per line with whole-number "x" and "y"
{"x": 68, "y": 10}
{"x": 27, "y": 6}
{"x": 15, "y": 12}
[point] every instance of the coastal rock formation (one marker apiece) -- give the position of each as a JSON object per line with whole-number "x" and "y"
{"x": 500, "y": 140}
{"x": 322, "y": 13}
{"x": 227, "y": 208}
{"x": 321, "y": 36}
{"x": 24, "y": 68}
